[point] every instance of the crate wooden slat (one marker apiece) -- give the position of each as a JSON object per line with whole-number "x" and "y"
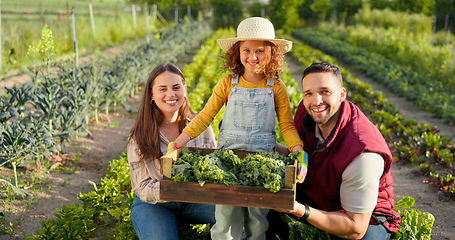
{"x": 244, "y": 196}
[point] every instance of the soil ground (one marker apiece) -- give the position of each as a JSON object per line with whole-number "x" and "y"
{"x": 94, "y": 155}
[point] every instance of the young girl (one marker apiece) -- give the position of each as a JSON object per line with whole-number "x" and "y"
{"x": 163, "y": 113}
{"x": 252, "y": 94}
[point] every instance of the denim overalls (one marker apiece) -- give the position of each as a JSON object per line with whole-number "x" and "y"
{"x": 248, "y": 124}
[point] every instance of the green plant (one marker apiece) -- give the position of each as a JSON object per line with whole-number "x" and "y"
{"x": 414, "y": 223}
{"x": 71, "y": 222}
{"x": 44, "y": 50}
{"x": 6, "y": 227}
{"x": 48, "y": 99}
{"x": 14, "y": 145}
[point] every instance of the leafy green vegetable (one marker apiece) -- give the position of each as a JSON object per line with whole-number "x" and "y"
{"x": 263, "y": 169}
{"x": 414, "y": 223}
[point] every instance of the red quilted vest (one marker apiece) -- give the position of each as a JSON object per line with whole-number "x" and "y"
{"x": 352, "y": 135}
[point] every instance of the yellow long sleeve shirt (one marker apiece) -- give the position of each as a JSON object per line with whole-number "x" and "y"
{"x": 220, "y": 97}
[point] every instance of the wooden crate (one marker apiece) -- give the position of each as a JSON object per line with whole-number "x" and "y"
{"x": 244, "y": 196}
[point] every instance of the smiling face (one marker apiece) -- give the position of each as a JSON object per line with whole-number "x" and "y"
{"x": 252, "y": 55}
{"x": 322, "y": 96}
{"x": 169, "y": 93}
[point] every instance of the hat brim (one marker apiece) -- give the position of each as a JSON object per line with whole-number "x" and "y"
{"x": 284, "y": 45}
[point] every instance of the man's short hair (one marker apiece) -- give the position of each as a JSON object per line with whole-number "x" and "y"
{"x": 321, "y": 67}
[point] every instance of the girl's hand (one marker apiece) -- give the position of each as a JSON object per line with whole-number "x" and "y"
{"x": 297, "y": 148}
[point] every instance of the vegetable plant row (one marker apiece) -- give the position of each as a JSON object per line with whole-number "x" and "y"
{"x": 204, "y": 72}
{"x": 406, "y": 38}
{"x": 424, "y": 92}
{"x": 412, "y": 49}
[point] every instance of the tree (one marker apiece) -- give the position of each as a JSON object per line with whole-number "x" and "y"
{"x": 414, "y": 6}
{"x": 285, "y": 13}
{"x": 379, "y": 4}
{"x": 321, "y": 8}
{"x": 227, "y": 13}
{"x": 443, "y": 9}
{"x": 347, "y": 8}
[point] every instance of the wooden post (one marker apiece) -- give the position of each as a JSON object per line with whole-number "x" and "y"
{"x": 435, "y": 20}
{"x": 76, "y": 57}
{"x": 92, "y": 20}
{"x": 133, "y": 11}
{"x": 176, "y": 15}
{"x": 153, "y": 15}
{"x": 211, "y": 17}
{"x": 188, "y": 12}
{"x": 147, "y": 39}
{"x": 41, "y": 11}
{"x": 67, "y": 11}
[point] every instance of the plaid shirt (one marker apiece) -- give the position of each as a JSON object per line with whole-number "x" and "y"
{"x": 145, "y": 174}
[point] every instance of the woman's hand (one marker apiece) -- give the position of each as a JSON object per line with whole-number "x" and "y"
{"x": 181, "y": 140}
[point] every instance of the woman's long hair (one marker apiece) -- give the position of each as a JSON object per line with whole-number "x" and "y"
{"x": 145, "y": 132}
{"x": 270, "y": 66}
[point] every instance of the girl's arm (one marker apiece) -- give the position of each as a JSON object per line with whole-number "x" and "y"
{"x": 284, "y": 114}
{"x": 205, "y": 117}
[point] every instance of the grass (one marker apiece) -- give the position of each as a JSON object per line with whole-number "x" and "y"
{"x": 22, "y": 23}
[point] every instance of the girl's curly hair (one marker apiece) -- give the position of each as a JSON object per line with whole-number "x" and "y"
{"x": 270, "y": 66}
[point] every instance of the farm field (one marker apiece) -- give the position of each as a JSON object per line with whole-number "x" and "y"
{"x": 86, "y": 111}
{"x": 108, "y": 144}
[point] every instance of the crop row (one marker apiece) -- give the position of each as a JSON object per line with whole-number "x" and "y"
{"x": 415, "y": 50}
{"x": 204, "y": 72}
{"x": 424, "y": 92}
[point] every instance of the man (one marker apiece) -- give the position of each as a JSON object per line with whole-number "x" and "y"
{"x": 348, "y": 190}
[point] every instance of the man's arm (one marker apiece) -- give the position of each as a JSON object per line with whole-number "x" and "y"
{"x": 343, "y": 224}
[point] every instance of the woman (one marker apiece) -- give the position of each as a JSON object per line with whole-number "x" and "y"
{"x": 163, "y": 113}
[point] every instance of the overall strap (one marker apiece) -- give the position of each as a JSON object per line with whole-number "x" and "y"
{"x": 234, "y": 79}
{"x": 271, "y": 82}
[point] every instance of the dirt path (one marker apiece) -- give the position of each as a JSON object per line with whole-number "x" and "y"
{"x": 407, "y": 183}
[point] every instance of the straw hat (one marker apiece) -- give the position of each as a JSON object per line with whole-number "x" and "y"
{"x": 255, "y": 28}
